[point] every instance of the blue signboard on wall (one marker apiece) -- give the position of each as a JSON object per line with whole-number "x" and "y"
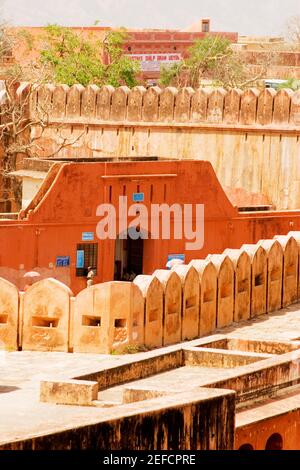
{"x": 62, "y": 261}
{"x": 80, "y": 259}
{"x": 171, "y": 260}
{"x": 138, "y": 197}
{"x": 87, "y": 236}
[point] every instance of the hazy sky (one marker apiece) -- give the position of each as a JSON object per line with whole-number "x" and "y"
{"x": 245, "y": 16}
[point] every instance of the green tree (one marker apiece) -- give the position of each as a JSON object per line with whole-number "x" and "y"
{"x": 210, "y": 58}
{"x": 77, "y": 58}
{"x": 291, "y": 83}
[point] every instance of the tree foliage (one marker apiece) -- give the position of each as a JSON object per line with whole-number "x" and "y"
{"x": 77, "y": 58}
{"x": 210, "y": 58}
{"x": 291, "y": 83}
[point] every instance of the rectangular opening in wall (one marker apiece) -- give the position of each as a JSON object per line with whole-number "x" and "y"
{"x": 91, "y": 320}
{"x": 89, "y": 258}
{"x": 3, "y": 319}
{"x": 225, "y": 291}
{"x": 190, "y": 302}
{"x": 120, "y": 323}
{"x": 153, "y": 314}
{"x": 259, "y": 280}
{"x": 208, "y": 295}
{"x": 243, "y": 286}
{"x": 45, "y": 322}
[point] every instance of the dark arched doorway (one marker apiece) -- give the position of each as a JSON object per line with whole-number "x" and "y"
{"x": 275, "y": 442}
{"x": 128, "y": 256}
{"x": 246, "y": 447}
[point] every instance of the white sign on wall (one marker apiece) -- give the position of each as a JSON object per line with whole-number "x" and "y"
{"x": 153, "y": 62}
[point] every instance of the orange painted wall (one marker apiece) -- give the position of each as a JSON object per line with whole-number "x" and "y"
{"x": 257, "y": 434}
{"x": 54, "y": 222}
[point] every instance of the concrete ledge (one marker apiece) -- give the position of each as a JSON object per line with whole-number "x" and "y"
{"x": 70, "y": 392}
{"x": 221, "y": 358}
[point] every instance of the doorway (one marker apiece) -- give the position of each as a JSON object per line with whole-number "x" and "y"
{"x": 128, "y": 258}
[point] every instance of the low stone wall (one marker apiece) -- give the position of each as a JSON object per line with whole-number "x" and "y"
{"x": 174, "y": 422}
{"x": 166, "y": 308}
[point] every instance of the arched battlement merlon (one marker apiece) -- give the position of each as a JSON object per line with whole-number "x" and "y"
{"x": 153, "y": 294}
{"x": 282, "y": 104}
{"x": 151, "y": 104}
{"x": 190, "y": 301}
{"x": 207, "y": 295}
{"x": 290, "y": 268}
{"x": 225, "y": 295}
{"x": 242, "y": 283}
{"x": 46, "y": 316}
{"x": 232, "y": 104}
{"x": 295, "y": 108}
{"x": 265, "y": 104}
{"x": 73, "y": 105}
{"x": 119, "y": 103}
{"x": 171, "y": 284}
{"x": 135, "y": 103}
{"x": 167, "y": 104}
{"x": 199, "y": 103}
{"x": 258, "y": 258}
{"x": 88, "y": 101}
{"x": 108, "y": 316}
{"x": 249, "y": 106}
{"x": 183, "y": 104}
{"x": 59, "y": 101}
{"x": 274, "y": 252}
{"x": 215, "y": 106}
{"x": 44, "y": 99}
{"x": 103, "y": 102}
{"x": 9, "y": 315}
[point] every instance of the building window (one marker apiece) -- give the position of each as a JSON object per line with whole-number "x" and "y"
{"x": 275, "y": 442}
{"x": 205, "y": 27}
{"x": 87, "y": 256}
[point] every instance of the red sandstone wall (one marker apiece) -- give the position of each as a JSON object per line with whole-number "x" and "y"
{"x": 257, "y": 434}
{"x": 59, "y": 216}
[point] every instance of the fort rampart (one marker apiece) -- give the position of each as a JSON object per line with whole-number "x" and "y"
{"x": 170, "y": 306}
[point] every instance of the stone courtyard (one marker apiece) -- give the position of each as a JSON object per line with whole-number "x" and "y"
{"x": 266, "y": 338}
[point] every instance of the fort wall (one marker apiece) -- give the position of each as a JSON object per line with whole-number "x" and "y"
{"x": 124, "y": 316}
{"x": 251, "y": 137}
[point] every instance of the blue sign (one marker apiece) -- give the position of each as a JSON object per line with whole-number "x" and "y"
{"x": 172, "y": 260}
{"x": 87, "y": 236}
{"x": 181, "y": 257}
{"x": 62, "y": 261}
{"x": 80, "y": 259}
{"x": 138, "y": 197}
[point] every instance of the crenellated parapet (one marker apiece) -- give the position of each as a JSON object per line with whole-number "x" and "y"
{"x": 167, "y": 307}
{"x": 213, "y": 106}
